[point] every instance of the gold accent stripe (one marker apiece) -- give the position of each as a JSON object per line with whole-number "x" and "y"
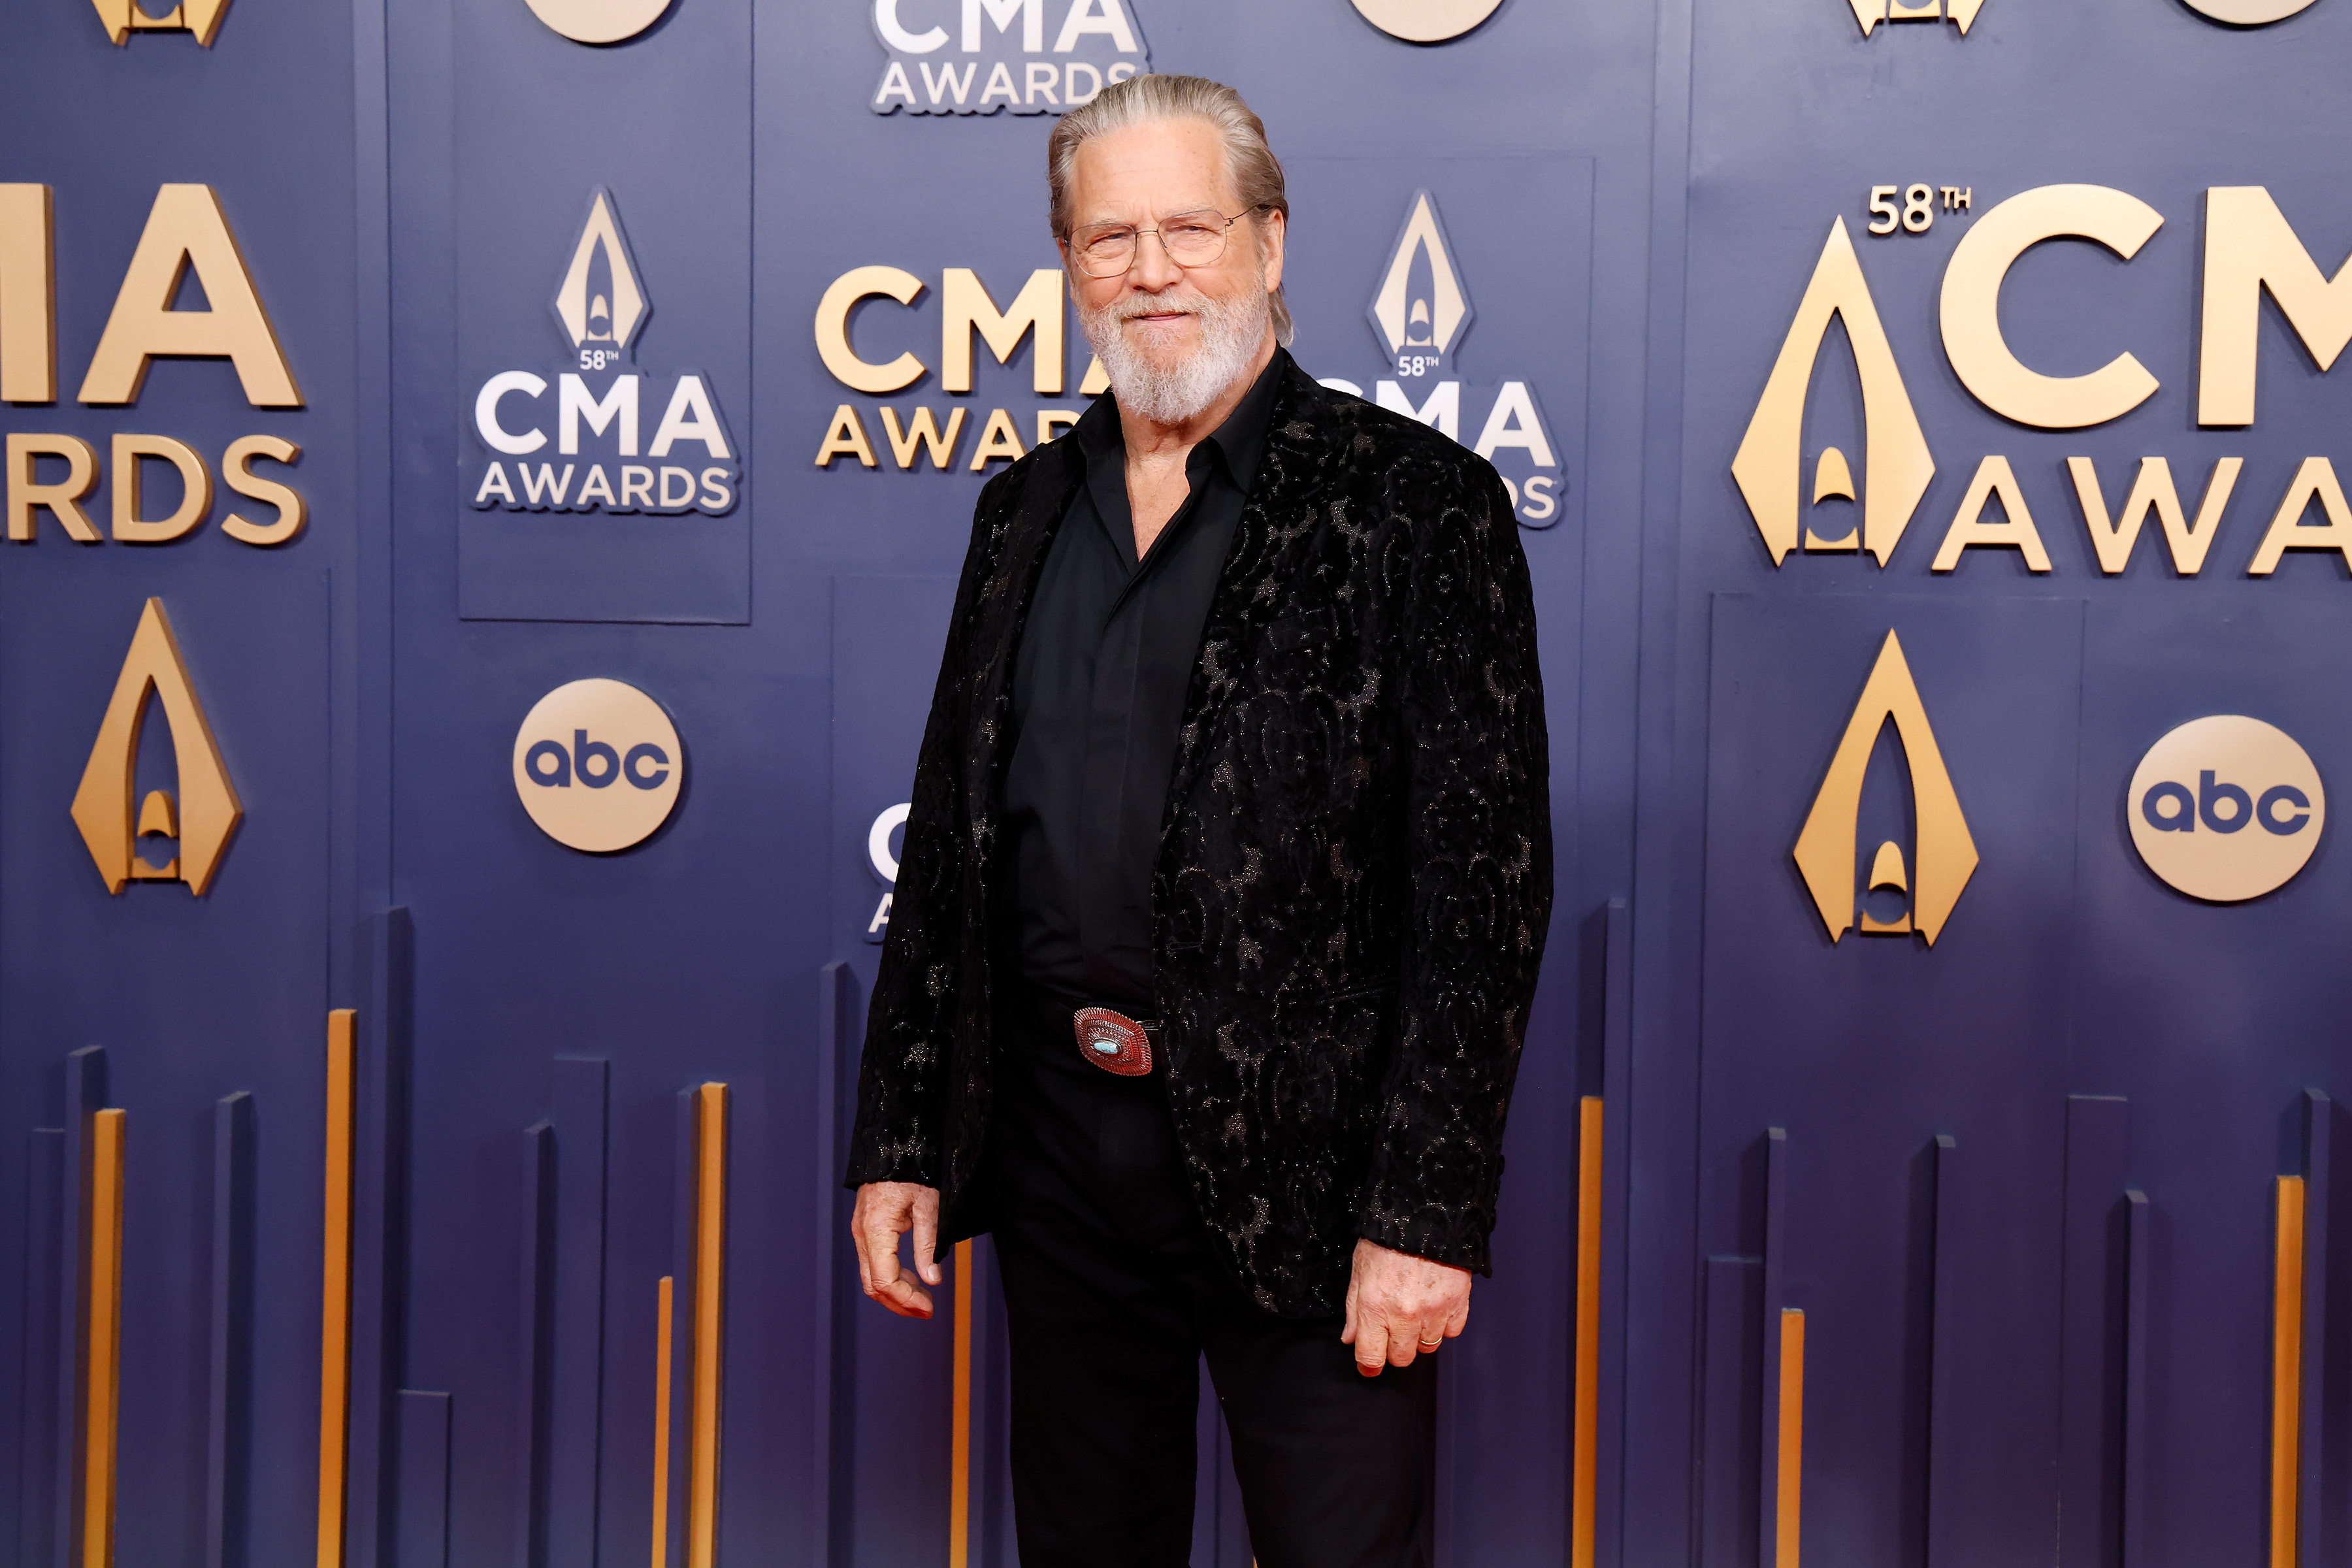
{"x": 335, "y": 1286}
{"x": 661, "y": 1427}
{"x": 2286, "y": 1377}
{"x": 105, "y": 1357}
{"x": 1588, "y": 1331}
{"x": 960, "y": 1445}
{"x": 1786, "y": 1533}
{"x": 709, "y": 1272}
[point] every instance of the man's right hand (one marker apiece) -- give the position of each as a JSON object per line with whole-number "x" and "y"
{"x": 886, "y": 1211}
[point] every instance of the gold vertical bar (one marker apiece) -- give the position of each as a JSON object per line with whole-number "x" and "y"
{"x": 105, "y": 1354}
{"x": 661, "y": 1427}
{"x": 709, "y": 1272}
{"x": 335, "y": 1286}
{"x": 1588, "y": 1331}
{"x": 959, "y": 1443}
{"x": 1786, "y": 1533}
{"x": 28, "y": 296}
{"x": 2286, "y": 1376}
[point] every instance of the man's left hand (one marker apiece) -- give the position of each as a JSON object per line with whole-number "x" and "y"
{"x": 1400, "y": 1305}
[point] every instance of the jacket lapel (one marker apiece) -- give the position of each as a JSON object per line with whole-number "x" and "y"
{"x": 1270, "y": 540}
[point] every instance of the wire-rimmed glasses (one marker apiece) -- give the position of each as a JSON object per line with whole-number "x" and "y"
{"x": 1190, "y": 239}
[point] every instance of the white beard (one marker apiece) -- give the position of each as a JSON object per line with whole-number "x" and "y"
{"x": 1230, "y": 333}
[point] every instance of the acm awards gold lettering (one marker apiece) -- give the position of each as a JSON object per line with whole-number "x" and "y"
{"x": 123, "y": 17}
{"x": 1971, "y": 306}
{"x": 28, "y": 296}
{"x": 967, "y": 308}
{"x": 205, "y": 812}
{"x": 187, "y": 233}
{"x": 2250, "y": 251}
{"x": 1945, "y": 852}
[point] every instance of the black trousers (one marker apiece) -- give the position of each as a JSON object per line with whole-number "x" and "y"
{"x": 1114, "y": 1291}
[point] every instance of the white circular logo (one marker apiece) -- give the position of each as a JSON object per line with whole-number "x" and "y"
{"x": 2248, "y": 13}
{"x": 877, "y": 842}
{"x": 1429, "y": 21}
{"x": 2226, "y": 808}
{"x": 599, "y": 21}
{"x": 598, "y": 765}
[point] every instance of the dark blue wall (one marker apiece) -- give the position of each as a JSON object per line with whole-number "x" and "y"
{"x": 2008, "y": 1357}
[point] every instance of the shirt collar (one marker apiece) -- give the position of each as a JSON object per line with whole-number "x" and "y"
{"x": 1238, "y": 440}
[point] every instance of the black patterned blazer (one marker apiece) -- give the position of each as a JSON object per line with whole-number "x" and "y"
{"x": 1355, "y": 866}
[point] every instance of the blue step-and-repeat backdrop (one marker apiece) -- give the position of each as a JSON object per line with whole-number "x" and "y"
{"x": 484, "y": 481}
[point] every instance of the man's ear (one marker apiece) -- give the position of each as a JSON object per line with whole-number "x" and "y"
{"x": 1272, "y": 231}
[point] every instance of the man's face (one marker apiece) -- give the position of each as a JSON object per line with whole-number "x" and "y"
{"x": 1138, "y": 176}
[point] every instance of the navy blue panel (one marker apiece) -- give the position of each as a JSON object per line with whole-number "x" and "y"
{"x": 2139, "y": 1426}
{"x": 662, "y": 126}
{"x": 1731, "y": 1415}
{"x": 535, "y": 1333}
{"x": 2091, "y": 1414}
{"x": 423, "y": 1533}
{"x": 44, "y": 1232}
{"x": 1941, "y": 1440}
{"x": 192, "y": 998}
{"x": 2213, "y": 1018}
{"x": 1866, "y": 1048}
{"x": 228, "y": 1446}
{"x": 576, "y": 1352}
{"x": 231, "y": 989}
{"x": 832, "y": 1263}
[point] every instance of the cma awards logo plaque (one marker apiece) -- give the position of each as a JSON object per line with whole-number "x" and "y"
{"x": 193, "y": 826}
{"x": 601, "y": 405}
{"x": 1420, "y": 312}
{"x": 977, "y": 56}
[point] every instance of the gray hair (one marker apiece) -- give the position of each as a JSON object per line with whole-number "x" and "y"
{"x": 1256, "y": 171}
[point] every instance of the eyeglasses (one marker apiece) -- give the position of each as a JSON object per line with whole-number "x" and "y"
{"x": 1190, "y": 239}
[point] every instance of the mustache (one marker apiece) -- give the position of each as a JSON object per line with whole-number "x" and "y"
{"x": 1127, "y": 308}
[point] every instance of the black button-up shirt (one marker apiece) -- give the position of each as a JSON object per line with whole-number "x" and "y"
{"x": 1098, "y": 688}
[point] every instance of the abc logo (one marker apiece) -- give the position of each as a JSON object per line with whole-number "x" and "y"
{"x": 598, "y": 765}
{"x": 2226, "y": 808}
{"x": 2248, "y": 13}
{"x": 1429, "y": 21}
{"x": 599, "y": 21}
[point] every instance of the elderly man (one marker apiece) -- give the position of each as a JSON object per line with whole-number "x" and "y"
{"x": 1222, "y": 895}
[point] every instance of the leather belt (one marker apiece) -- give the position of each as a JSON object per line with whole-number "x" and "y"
{"x": 1115, "y": 1042}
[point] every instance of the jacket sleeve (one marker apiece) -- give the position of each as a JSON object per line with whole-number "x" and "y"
{"x": 1478, "y": 859}
{"x": 902, "y": 1081}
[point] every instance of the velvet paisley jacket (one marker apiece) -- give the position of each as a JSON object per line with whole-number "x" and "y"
{"x": 1355, "y": 865}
